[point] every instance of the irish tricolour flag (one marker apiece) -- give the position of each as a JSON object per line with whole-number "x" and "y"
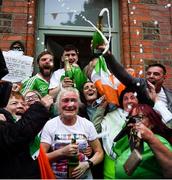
{"x": 106, "y": 83}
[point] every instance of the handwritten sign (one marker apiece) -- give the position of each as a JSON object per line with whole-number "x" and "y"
{"x": 19, "y": 66}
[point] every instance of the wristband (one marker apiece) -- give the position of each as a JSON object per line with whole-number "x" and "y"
{"x": 90, "y": 163}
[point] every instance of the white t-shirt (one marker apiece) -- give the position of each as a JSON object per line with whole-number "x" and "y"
{"x": 162, "y": 96}
{"x": 161, "y": 106}
{"x": 55, "y": 78}
{"x": 58, "y": 135}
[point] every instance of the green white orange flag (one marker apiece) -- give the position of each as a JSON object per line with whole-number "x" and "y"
{"x": 35, "y": 147}
{"x": 106, "y": 83}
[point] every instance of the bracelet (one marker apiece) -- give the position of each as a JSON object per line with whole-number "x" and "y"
{"x": 90, "y": 163}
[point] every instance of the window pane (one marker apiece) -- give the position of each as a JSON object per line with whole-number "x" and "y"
{"x": 70, "y": 12}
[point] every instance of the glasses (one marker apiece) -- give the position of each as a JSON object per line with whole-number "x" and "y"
{"x": 17, "y": 49}
{"x": 31, "y": 98}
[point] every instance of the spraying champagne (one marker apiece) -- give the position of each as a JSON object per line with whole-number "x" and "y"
{"x": 98, "y": 37}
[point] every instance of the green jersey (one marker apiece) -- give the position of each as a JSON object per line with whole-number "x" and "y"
{"x": 35, "y": 83}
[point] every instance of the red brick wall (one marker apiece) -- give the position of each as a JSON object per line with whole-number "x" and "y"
{"x": 146, "y": 34}
{"x": 17, "y": 20}
{"x": 146, "y": 30}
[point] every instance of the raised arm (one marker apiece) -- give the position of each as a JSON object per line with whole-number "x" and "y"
{"x": 15, "y": 136}
{"x": 138, "y": 84}
{"x": 163, "y": 156}
{"x": 118, "y": 70}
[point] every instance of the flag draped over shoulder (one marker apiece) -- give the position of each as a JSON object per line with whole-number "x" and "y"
{"x": 37, "y": 152}
{"x": 35, "y": 147}
{"x": 106, "y": 83}
{"x": 44, "y": 165}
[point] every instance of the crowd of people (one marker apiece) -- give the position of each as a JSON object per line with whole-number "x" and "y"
{"x": 131, "y": 138}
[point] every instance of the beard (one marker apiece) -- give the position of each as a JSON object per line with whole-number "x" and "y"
{"x": 46, "y": 72}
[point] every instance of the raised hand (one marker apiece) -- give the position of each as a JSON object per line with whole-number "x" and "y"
{"x": 67, "y": 82}
{"x": 47, "y": 101}
{"x": 152, "y": 92}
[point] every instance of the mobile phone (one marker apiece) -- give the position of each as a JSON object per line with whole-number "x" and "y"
{"x": 99, "y": 100}
{"x": 132, "y": 162}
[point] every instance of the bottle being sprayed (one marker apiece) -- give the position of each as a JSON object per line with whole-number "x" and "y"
{"x": 94, "y": 40}
{"x": 97, "y": 38}
{"x": 73, "y": 161}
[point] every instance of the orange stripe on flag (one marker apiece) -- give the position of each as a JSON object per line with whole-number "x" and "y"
{"x": 110, "y": 93}
{"x": 44, "y": 165}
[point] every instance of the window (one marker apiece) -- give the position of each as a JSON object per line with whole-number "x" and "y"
{"x": 70, "y": 12}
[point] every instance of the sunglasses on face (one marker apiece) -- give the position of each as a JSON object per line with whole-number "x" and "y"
{"x": 17, "y": 49}
{"x": 135, "y": 119}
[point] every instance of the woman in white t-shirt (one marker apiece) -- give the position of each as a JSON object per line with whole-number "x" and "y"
{"x": 58, "y": 132}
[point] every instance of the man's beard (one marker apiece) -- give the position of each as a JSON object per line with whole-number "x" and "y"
{"x": 45, "y": 72}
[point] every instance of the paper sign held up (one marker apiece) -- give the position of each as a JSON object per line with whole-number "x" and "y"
{"x": 19, "y": 66}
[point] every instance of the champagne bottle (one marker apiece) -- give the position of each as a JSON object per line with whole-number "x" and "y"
{"x": 75, "y": 74}
{"x": 73, "y": 161}
{"x": 97, "y": 38}
{"x": 68, "y": 69}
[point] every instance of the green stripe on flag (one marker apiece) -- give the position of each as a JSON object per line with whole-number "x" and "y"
{"x": 101, "y": 65}
{"x": 34, "y": 147}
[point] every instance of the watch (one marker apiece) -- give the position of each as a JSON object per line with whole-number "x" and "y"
{"x": 90, "y": 163}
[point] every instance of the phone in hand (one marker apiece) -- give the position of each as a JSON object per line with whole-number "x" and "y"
{"x": 132, "y": 162}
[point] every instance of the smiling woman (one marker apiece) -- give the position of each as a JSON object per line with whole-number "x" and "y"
{"x": 59, "y": 131}
{"x": 90, "y": 92}
{"x": 68, "y": 106}
{"x": 16, "y": 105}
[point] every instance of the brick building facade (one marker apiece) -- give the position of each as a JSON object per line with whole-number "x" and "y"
{"x": 147, "y": 33}
{"x": 146, "y": 30}
{"x": 14, "y": 24}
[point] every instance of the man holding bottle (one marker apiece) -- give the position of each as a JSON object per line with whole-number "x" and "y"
{"x": 60, "y": 78}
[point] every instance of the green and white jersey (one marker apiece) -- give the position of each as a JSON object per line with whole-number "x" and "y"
{"x": 35, "y": 83}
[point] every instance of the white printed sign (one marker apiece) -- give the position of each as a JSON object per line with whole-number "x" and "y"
{"x": 19, "y": 66}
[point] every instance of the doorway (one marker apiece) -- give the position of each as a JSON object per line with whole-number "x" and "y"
{"x": 56, "y": 43}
